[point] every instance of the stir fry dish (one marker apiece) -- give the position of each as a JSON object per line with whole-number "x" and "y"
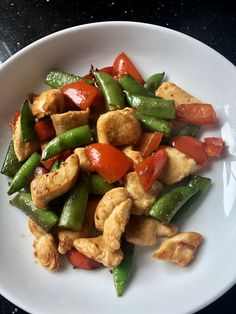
{"x": 106, "y": 162}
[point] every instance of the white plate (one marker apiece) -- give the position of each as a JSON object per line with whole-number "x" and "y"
{"x": 155, "y": 286}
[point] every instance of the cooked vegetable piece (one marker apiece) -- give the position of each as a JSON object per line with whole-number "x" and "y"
{"x": 133, "y": 87}
{"x": 80, "y": 93}
{"x": 192, "y": 147}
{"x": 79, "y": 260}
{"x": 154, "y": 107}
{"x": 149, "y": 143}
{"x": 72, "y": 138}
{"x": 167, "y": 206}
{"x": 108, "y": 161}
{"x": 189, "y": 129}
{"x": 57, "y": 79}
{"x": 16, "y": 116}
{"x": 27, "y": 123}
{"x": 24, "y": 175}
{"x": 203, "y": 185}
{"x": 154, "y": 81}
{"x": 98, "y": 186}
{"x": 121, "y": 273}
{"x": 11, "y": 165}
{"x": 56, "y": 165}
{"x": 44, "y": 218}
{"x": 44, "y": 129}
{"x": 213, "y": 146}
{"x": 112, "y": 92}
{"x": 154, "y": 124}
{"x": 196, "y": 113}
{"x": 123, "y": 65}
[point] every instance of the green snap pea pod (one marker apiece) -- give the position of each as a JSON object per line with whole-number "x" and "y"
{"x": 203, "y": 185}
{"x": 112, "y": 91}
{"x": 57, "y": 79}
{"x": 27, "y": 123}
{"x": 154, "y": 107}
{"x": 189, "y": 129}
{"x": 11, "y": 164}
{"x": 133, "y": 87}
{"x": 154, "y": 81}
{"x": 44, "y": 218}
{"x": 70, "y": 139}
{"x": 56, "y": 165}
{"x": 98, "y": 186}
{"x": 121, "y": 273}
{"x": 153, "y": 124}
{"x": 73, "y": 212}
{"x": 24, "y": 175}
{"x": 167, "y": 206}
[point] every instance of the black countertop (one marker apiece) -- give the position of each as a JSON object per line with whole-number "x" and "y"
{"x": 212, "y": 22}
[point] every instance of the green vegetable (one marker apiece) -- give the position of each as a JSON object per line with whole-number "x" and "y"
{"x": 133, "y": 87}
{"x": 44, "y": 218}
{"x": 154, "y": 81}
{"x": 166, "y": 207}
{"x": 203, "y": 185}
{"x": 189, "y": 129}
{"x": 73, "y": 212}
{"x": 98, "y": 185}
{"x": 112, "y": 92}
{"x": 57, "y": 79}
{"x": 56, "y": 165}
{"x": 11, "y": 164}
{"x": 153, "y": 124}
{"x": 70, "y": 139}
{"x": 154, "y": 107}
{"x": 27, "y": 123}
{"x": 121, "y": 273}
{"x": 24, "y": 175}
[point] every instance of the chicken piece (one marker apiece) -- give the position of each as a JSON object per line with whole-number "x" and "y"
{"x": 142, "y": 200}
{"x": 178, "y": 166}
{"x": 47, "y": 103}
{"x": 115, "y": 224}
{"x": 107, "y": 204}
{"x": 168, "y": 90}
{"x": 23, "y": 149}
{"x": 35, "y": 229}
{"x": 135, "y": 155}
{"x": 179, "y": 249}
{"x": 85, "y": 164}
{"x": 67, "y": 237}
{"x": 96, "y": 249}
{"x": 46, "y": 187}
{"x": 63, "y": 122}
{"x": 45, "y": 250}
{"x": 119, "y": 127}
{"x": 143, "y": 231}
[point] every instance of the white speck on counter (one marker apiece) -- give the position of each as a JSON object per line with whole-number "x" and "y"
{"x": 12, "y": 4}
{"x": 125, "y": 12}
{"x": 167, "y": 24}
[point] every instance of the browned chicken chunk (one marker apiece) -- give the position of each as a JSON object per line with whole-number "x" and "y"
{"x": 35, "y": 229}
{"x": 85, "y": 164}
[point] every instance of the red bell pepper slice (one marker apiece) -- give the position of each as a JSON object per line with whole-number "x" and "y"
{"x": 16, "y": 116}
{"x": 123, "y": 65}
{"x": 192, "y": 147}
{"x": 62, "y": 156}
{"x": 196, "y": 114}
{"x": 150, "y": 168}
{"x": 214, "y": 146}
{"x": 111, "y": 163}
{"x": 44, "y": 129}
{"x": 79, "y": 260}
{"x": 80, "y": 93}
{"x": 149, "y": 143}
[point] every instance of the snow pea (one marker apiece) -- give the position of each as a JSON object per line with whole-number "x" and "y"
{"x": 98, "y": 186}
{"x": 189, "y": 129}
{"x": 57, "y": 79}
{"x": 153, "y": 124}
{"x": 75, "y": 137}
{"x": 73, "y": 212}
{"x": 203, "y": 185}
{"x": 121, "y": 273}
{"x": 167, "y": 206}
{"x": 154, "y": 107}
{"x": 11, "y": 164}
{"x": 154, "y": 81}
{"x": 27, "y": 123}
{"x": 133, "y": 87}
{"x": 24, "y": 175}
{"x": 112, "y": 91}
{"x": 56, "y": 165}
{"x": 44, "y": 218}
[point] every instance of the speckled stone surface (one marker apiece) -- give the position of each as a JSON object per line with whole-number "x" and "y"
{"x": 212, "y": 22}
